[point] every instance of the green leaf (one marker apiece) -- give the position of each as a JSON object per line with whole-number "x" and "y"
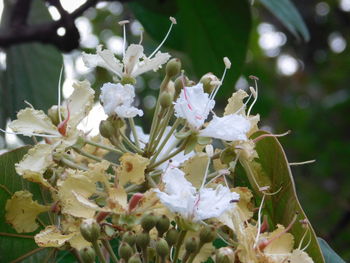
{"x": 32, "y": 71}
{"x": 206, "y": 31}
{"x": 287, "y": 13}
{"x": 273, "y": 170}
{"x": 328, "y": 253}
{"x": 12, "y": 247}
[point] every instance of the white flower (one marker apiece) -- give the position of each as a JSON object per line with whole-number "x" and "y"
{"x": 194, "y": 105}
{"x": 231, "y": 127}
{"x": 181, "y": 197}
{"x": 134, "y": 63}
{"x": 117, "y": 99}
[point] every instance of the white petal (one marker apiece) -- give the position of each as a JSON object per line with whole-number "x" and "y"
{"x": 194, "y": 105}
{"x": 132, "y": 57}
{"x": 117, "y": 99}
{"x": 104, "y": 58}
{"x": 151, "y": 64}
{"x": 80, "y": 102}
{"x": 218, "y": 200}
{"x": 231, "y": 127}
{"x": 31, "y": 121}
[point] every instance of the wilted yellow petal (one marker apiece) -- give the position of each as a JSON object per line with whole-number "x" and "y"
{"x": 31, "y": 121}
{"x": 35, "y": 162}
{"x": 299, "y": 256}
{"x": 253, "y": 119}
{"x": 80, "y": 102}
{"x": 195, "y": 168}
{"x": 247, "y": 150}
{"x": 71, "y": 226}
{"x": 78, "y": 242}
{"x": 51, "y": 236}
{"x": 21, "y": 211}
{"x": 282, "y": 245}
{"x": 117, "y": 200}
{"x": 132, "y": 168}
{"x": 235, "y": 103}
{"x": 150, "y": 202}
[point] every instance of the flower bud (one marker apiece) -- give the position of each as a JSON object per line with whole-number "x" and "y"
{"x": 142, "y": 240}
{"x": 106, "y": 129}
{"x": 87, "y": 254}
{"x": 148, "y": 222}
{"x": 125, "y": 251}
{"x": 135, "y": 259}
{"x": 162, "y": 225}
{"x": 162, "y": 248}
{"x": 178, "y": 86}
{"x": 173, "y": 67}
{"x": 227, "y": 155}
{"x": 90, "y": 230}
{"x": 207, "y": 234}
{"x": 191, "y": 245}
{"x": 129, "y": 237}
{"x": 166, "y": 99}
{"x": 224, "y": 255}
{"x": 53, "y": 115}
{"x": 171, "y": 236}
{"x": 210, "y": 82}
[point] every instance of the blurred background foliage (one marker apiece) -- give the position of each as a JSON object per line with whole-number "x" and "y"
{"x": 303, "y": 87}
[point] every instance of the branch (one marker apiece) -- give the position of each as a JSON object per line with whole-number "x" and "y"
{"x": 46, "y": 33}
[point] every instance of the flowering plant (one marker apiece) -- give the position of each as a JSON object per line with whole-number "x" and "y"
{"x": 200, "y": 185}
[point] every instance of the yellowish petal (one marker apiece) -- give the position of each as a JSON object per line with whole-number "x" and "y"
{"x": 195, "y": 169}
{"x": 282, "y": 245}
{"x": 35, "y": 162}
{"x": 132, "y": 168}
{"x": 299, "y": 256}
{"x": 235, "y": 103}
{"x": 31, "y": 121}
{"x": 22, "y": 211}
{"x": 80, "y": 102}
{"x": 51, "y": 236}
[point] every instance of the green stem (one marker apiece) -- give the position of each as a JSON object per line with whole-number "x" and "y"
{"x": 109, "y": 248}
{"x": 98, "y": 251}
{"x": 91, "y": 156}
{"x": 180, "y": 149}
{"x": 162, "y": 127}
{"x": 108, "y": 148}
{"x": 145, "y": 255}
{"x": 133, "y": 187}
{"x": 196, "y": 253}
{"x": 134, "y": 133}
{"x": 166, "y": 139}
{"x": 72, "y": 165}
{"x": 185, "y": 257}
{"x": 129, "y": 143}
{"x": 178, "y": 244}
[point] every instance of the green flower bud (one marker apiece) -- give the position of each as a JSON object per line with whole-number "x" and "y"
{"x": 162, "y": 248}
{"x": 171, "y": 236}
{"x": 224, "y": 255}
{"x": 143, "y": 240}
{"x": 162, "y": 225}
{"x": 128, "y": 80}
{"x": 191, "y": 245}
{"x": 210, "y": 82}
{"x": 227, "y": 155}
{"x": 135, "y": 259}
{"x": 90, "y": 230}
{"x": 125, "y": 251}
{"x": 148, "y": 222}
{"x": 166, "y": 99}
{"x": 178, "y": 86}
{"x": 151, "y": 252}
{"x": 173, "y": 67}
{"x": 106, "y": 128}
{"x": 129, "y": 237}
{"x": 87, "y": 254}
{"x": 207, "y": 234}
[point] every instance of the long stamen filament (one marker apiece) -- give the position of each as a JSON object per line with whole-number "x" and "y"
{"x": 59, "y": 95}
{"x": 271, "y": 135}
{"x": 206, "y": 174}
{"x": 123, "y": 23}
{"x": 259, "y": 221}
{"x": 32, "y": 134}
{"x": 173, "y": 22}
{"x": 255, "y": 94}
{"x": 301, "y": 163}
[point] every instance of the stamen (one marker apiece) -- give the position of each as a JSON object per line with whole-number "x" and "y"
{"x": 29, "y": 104}
{"x": 123, "y": 23}
{"x": 301, "y": 163}
{"x": 302, "y": 239}
{"x": 141, "y": 36}
{"x": 32, "y": 134}
{"x": 206, "y": 174}
{"x": 173, "y": 22}
{"x": 227, "y": 66}
{"x": 259, "y": 222}
{"x": 59, "y": 95}
{"x": 255, "y": 93}
{"x": 270, "y": 135}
